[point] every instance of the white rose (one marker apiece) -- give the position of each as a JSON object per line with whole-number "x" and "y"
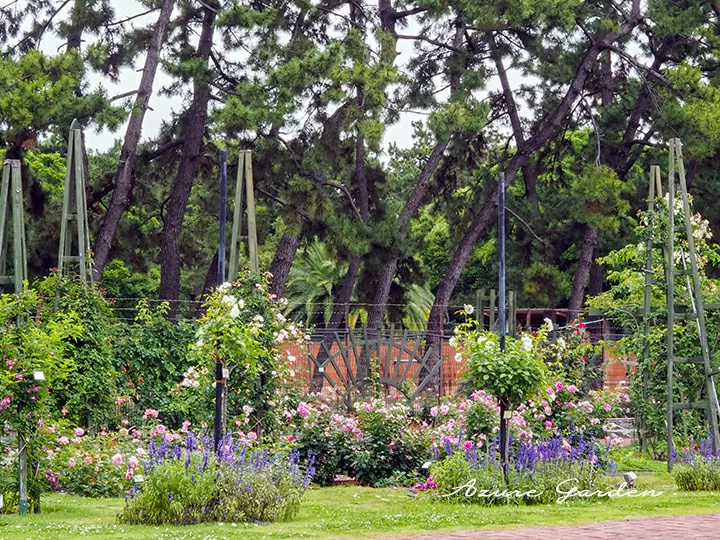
{"x": 527, "y": 343}
{"x": 453, "y": 341}
{"x": 468, "y": 308}
{"x": 458, "y": 357}
{"x": 549, "y": 324}
{"x": 241, "y": 303}
{"x": 234, "y": 312}
{"x": 229, "y": 300}
{"x": 561, "y": 342}
{"x": 224, "y": 287}
{"x": 481, "y": 340}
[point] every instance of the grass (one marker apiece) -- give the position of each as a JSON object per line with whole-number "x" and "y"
{"x": 353, "y": 512}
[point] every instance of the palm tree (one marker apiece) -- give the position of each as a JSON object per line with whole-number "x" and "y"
{"x": 312, "y": 283}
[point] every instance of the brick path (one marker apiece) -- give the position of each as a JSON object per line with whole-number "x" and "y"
{"x": 684, "y": 527}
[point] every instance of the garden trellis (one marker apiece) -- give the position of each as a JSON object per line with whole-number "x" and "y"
{"x": 677, "y": 313}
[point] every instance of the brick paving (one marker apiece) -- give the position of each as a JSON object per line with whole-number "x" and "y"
{"x": 681, "y": 528}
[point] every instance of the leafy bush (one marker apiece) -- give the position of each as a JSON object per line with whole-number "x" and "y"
{"x": 535, "y": 472}
{"x": 152, "y": 356}
{"x": 186, "y": 484}
{"x": 86, "y": 395}
{"x": 389, "y": 445}
{"x": 699, "y": 469}
{"x": 244, "y": 328}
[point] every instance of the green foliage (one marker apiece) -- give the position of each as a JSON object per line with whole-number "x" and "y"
{"x": 88, "y": 393}
{"x": 388, "y": 446}
{"x": 152, "y": 356}
{"x": 702, "y": 474}
{"x": 243, "y": 329}
{"x": 515, "y": 374}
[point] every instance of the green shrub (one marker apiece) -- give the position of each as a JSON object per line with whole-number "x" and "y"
{"x": 701, "y": 474}
{"x": 188, "y": 484}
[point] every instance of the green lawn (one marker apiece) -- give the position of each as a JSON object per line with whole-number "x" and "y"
{"x": 353, "y": 512}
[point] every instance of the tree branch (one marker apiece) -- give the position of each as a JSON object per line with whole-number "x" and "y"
{"x": 116, "y": 23}
{"x": 432, "y": 42}
{"x": 527, "y": 226}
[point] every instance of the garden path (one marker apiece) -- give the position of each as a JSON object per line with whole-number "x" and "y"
{"x": 682, "y": 527}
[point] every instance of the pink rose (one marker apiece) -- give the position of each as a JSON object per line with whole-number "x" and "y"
{"x": 64, "y": 411}
{"x": 129, "y": 474}
{"x": 76, "y": 440}
{"x": 125, "y": 422}
{"x": 572, "y": 389}
{"x": 607, "y": 407}
{"x": 468, "y": 445}
{"x": 71, "y": 462}
{"x": 79, "y": 432}
{"x": 548, "y": 424}
{"x": 133, "y": 462}
{"x": 559, "y": 386}
{"x": 444, "y": 409}
{"x": 252, "y": 436}
{"x": 135, "y": 441}
{"x": 88, "y": 460}
{"x": 141, "y": 452}
{"x": 290, "y": 438}
{"x": 169, "y": 437}
{"x": 64, "y": 440}
{"x": 160, "y": 429}
{"x": 434, "y": 412}
{"x": 117, "y": 459}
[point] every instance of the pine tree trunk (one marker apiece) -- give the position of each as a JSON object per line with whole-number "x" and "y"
{"x": 583, "y": 271}
{"x": 191, "y": 153}
{"x": 282, "y": 262}
{"x": 128, "y": 155}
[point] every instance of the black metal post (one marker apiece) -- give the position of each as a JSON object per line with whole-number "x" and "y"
{"x": 502, "y": 306}
{"x": 219, "y": 375}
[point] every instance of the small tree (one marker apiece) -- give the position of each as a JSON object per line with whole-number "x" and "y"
{"x": 512, "y": 376}
{"x": 243, "y": 329}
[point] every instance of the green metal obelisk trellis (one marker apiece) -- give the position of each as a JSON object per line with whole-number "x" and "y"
{"x": 74, "y": 213}
{"x": 12, "y": 212}
{"x": 677, "y": 313}
{"x": 244, "y": 179}
{"x": 697, "y": 312}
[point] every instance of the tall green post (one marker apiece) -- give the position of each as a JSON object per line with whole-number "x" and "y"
{"x": 12, "y": 210}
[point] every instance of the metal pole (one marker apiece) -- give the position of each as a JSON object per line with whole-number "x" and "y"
{"x": 219, "y": 371}
{"x": 223, "y": 215}
{"x": 502, "y": 304}
{"x": 669, "y": 277}
{"x": 502, "y": 300}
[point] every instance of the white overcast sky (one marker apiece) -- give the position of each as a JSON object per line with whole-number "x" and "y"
{"x": 163, "y": 106}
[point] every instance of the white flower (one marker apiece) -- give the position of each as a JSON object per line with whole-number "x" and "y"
{"x": 561, "y": 342}
{"x": 458, "y": 357}
{"x": 481, "y": 340}
{"x": 453, "y": 341}
{"x": 224, "y": 287}
{"x": 229, "y": 300}
{"x": 527, "y": 343}
{"x": 549, "y": 324}
{"x": 468, "y": 309}
{"x": 291, "y": 358}
{"x": 258, "y": 319}
{"x": 490, "y": 345}
{"x": 199, "y": 342}
{"x": 241, "y": 303}
{"x": 235, "y": 311}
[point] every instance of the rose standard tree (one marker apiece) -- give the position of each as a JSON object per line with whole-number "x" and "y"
{"x": 243, "y": 329}
{"x": 513, "y": 376}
